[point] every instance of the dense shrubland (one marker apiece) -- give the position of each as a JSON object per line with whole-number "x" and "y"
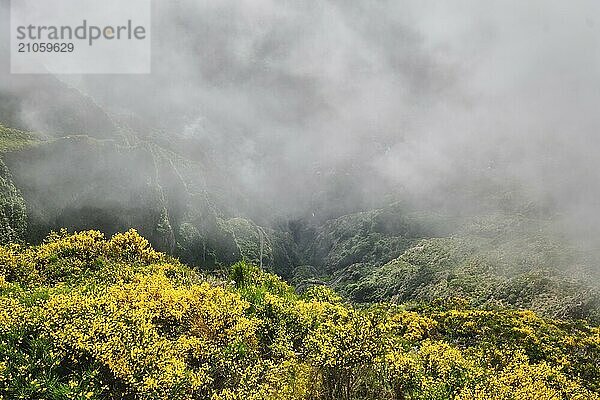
{"x": 14, "y": 139}
{"x": 396, "y": 253}
{"x": 510, "y": 259}
{"x": 84, "y": 317}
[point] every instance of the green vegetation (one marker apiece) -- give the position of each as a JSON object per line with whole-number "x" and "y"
{"x": 391, "y": 303}
{"x": 144, "y": 186}
{"x": 14, "y": 139}
{"x": 511, "y": 260}
{"x": 13, "y": 217}
{"x": 83, "y": 317}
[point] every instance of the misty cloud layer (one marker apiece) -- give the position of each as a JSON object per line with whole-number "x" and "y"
{"x": 383, "y": 99}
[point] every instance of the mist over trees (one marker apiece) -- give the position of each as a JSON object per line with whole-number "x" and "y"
{"x": 324, "y": 200}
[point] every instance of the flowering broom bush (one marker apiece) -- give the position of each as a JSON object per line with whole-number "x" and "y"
{"x": 85, "y": 317}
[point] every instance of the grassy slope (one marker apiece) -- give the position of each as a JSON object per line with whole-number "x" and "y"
{"x": 85, "y": 317}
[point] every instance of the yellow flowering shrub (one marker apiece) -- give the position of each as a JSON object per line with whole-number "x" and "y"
{"x": 64, "y": 257}
{"x": 524, "y": 381}
{"x": 85, "y": 317}
{"x": 130, "y": 246}
{"x": 157, "y": 340}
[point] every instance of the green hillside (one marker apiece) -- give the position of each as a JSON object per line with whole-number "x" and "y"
{"x": 394, "y": 254}
{"x": 14, "y": 139}
{"x": 515, "y": 258}
{"x": 389, "y": 303}
{"x": 13, "y": 216}
{"x": 300, "y": 200}
{"x": 84, "y": 317}
{"x": 80, "y": 182}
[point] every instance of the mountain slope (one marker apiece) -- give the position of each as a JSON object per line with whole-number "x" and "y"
{"x": 516, "y": 258}
{"x": 79, "y": 182}
{"x": 401, "y": 255}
